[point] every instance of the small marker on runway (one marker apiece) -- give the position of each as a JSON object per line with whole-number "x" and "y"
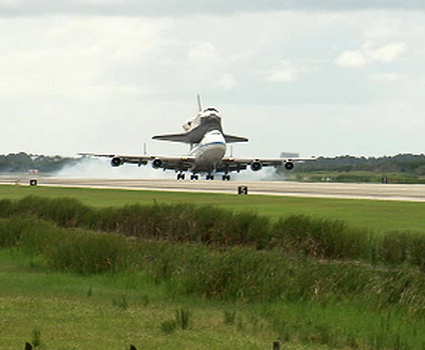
{"x": 243, "y": 190}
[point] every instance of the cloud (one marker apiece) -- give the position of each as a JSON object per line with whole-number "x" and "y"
{"x": 354, "y": 58}
{"x": 282, "y": 76}
{"x": 9, "y": 4}
{"x": 190, "y": 7}
{"x": 227, "y": 82}
{"x": 387, "y": 53}
{"x": 98, "y": 2}
{"x": 368, "y": 55}
{"x": 284, "y": 72}
{"x": 202, "y": 52}
{"x": 75, "y": 57}
{"x": 289, "y": 71}
{"x": 384, "y": 77}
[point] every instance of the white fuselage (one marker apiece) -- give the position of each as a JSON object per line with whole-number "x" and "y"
{"x": 209, "y": 152}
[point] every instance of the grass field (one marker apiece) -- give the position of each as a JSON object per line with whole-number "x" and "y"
{"x": 381, "y": 216}
{"x": 109, "y": 312}
{"x": 323, "y": 304}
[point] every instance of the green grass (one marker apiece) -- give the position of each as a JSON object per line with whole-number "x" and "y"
{"x": 113, "y": 291}
{"x": 111, "y": 311}
{"x": 77, "y": 312}
{"x": 378, "y": 215}
{"x": 356, "y": 177}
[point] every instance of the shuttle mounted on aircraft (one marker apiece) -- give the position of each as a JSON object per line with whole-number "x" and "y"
{"x": 207, "y": 141}
{"x": 197, "y": 126}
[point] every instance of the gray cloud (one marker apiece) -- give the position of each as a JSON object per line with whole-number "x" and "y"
{"x": 189, "y": 7}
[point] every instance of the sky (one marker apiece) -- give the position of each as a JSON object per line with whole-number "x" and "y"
{"x": 320, "y": 78}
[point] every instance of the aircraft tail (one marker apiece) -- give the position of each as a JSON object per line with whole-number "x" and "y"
{"x": 199, "y": 103}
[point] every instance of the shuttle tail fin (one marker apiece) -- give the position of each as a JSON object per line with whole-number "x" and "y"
{"x": 199, "y": 103}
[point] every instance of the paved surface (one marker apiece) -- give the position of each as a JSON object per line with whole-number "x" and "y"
{"x": 278, "y": 188}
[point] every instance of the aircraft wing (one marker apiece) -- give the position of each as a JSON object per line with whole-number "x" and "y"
{"x": 164, "y": 162}
{"x": 237, "y": 164}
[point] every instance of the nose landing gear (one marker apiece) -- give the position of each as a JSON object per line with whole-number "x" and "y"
{"x": 180, "y": 176}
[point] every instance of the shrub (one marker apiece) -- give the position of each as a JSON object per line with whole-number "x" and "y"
{"x": 180, "y": 222}
{"x": 87, "y": 252}
{"x": 299, "y": 235}
{"x": 7, "y": 207}
{"x": 323, "y": 238}
{"x": 399, "y": 247}
{"x": 169, "y": 326}
{"x": 30, "y": 234}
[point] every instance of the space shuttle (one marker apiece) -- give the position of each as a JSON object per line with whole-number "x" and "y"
{"x": 196, "y": 127}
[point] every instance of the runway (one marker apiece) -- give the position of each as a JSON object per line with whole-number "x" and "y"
{"x": 392, "y": 192}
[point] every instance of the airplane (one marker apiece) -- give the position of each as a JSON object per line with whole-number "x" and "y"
{"x": 207, "y": 142}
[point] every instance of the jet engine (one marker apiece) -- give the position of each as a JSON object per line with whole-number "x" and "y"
{"x": 256, "y": 165}
{"x": 157, "y": 163}
{"x": 116, "y": 161}
{"x": 289, "y": 165}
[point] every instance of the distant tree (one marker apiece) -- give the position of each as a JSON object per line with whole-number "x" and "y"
{"x": 22, "y": 162}
{"x": 401, "y": 163}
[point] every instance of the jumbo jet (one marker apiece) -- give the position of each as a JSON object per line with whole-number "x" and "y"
{"x": 207, "y": 142}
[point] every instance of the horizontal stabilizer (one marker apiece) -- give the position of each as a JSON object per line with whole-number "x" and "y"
{"x": 232, "y": 138}
{"x": 174, "y": 137}
{"x": 195, "y": 137}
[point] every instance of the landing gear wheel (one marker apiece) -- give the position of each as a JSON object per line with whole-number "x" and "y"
{"x": 210, "y": 177}
{"x": 180, "y": 176}
{"x": 194, "y": 177}
{"x": 226, "y": 177}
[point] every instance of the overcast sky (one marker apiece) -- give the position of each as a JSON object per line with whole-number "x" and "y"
{"x": 315, "y": 77}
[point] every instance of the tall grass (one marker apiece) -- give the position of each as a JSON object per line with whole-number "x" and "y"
{"x": 175, "y": 222}
{"x": 324, "y": 238}
{"x": 236, "y": 273}
{"x": 212, "y": 253}
{"x": 300, "y": 235}
{"x": 80, "y": 251}
{"x": 345, "y": 327}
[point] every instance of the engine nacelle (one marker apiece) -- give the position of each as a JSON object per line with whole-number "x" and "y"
{"x": 157, "y": 163}
{"x": 289, "y": 165}
{"x": 117, "y": 161}
{"x": 256, "y": 165}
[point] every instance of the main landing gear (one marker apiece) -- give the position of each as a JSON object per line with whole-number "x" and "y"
{"x": 181, "y": 176}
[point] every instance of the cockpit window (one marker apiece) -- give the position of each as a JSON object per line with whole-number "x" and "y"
{"x": 211, "y": 109}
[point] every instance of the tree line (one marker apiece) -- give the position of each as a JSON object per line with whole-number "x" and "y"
{"x": 23, "y": 162}
{"x": 413, "y": 164}
{"x": 400, "y": 163}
